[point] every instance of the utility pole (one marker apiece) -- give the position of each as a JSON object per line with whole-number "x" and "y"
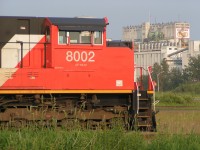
{"x": 158, "y": 80}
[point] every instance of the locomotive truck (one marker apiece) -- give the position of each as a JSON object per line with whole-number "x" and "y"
{"x": 63, "y": 72}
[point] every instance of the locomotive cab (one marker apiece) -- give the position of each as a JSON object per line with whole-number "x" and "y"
{"x": 71, "y": 33}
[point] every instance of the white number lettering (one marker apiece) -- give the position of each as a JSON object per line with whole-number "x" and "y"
{"x": 69, "y": 56}
{"x": 84, "y": 56}
{"x": 77, "y": 56}
{"x": 80, "y": 56}
{"x": 91, "y": 55}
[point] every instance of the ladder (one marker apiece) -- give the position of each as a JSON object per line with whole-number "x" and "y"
{"x": 144, "y": 109}
{"x": 144, "y": 112}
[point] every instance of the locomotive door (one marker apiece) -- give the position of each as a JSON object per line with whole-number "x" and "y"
{"x": 11, "y": 52}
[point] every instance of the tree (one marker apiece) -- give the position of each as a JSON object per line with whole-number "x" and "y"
{"x": 192, "y": 71}
{"x": 175, "y": 78}
{"x": 156, "y": 70}
{"x": 170, "y": 79}
{"x": 165, "y": 66}
{"x": 160, "y": 74}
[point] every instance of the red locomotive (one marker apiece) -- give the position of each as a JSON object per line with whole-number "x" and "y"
{"x": 63, "y": 69}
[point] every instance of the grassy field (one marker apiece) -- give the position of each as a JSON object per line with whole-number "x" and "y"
{"x": 177, "y": 129}
{"x": 178, "y": 99}
{"x": 178, "y": 120}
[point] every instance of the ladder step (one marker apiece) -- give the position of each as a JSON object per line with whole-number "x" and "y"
{"x": 143, "y": 125}
{"x": 143, "y": 108}
{"x": 143, "y": 116}
{"x": 143, "y": 99}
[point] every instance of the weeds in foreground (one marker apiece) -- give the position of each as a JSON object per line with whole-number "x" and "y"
{"x": 54, "y": 138}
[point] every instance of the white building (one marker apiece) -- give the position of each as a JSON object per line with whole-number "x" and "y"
{"x": 152, "y": 56}
{"x": 155, "y": 42}
{"x": 194, "y": 50}
{"x": 172, "y": 32}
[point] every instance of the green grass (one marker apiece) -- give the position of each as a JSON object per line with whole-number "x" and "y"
{"x": 178, "y": 121}
{"x": 193, "y": 105}
{"x": 60, "y": 139}
{"x": 184, "y": 95}
{"x": 192, "y": 88}
{"x": 175, "y": 142}
{"x": 177, "y": 99}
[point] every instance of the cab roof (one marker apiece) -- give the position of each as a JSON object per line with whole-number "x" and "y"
{"x": 79, "y": 24}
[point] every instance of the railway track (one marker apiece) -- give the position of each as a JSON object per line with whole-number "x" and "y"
{"x": 178, "y": 108}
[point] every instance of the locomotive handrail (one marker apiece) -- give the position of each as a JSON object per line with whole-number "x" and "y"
{"x": 26, "y": 42}
{"x": 138, "y": 100}
{"x": 141, "y": 87}
{"x": 151, "y": 86}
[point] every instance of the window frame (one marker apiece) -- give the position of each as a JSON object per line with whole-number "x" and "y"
{"x": 92, "y": 38}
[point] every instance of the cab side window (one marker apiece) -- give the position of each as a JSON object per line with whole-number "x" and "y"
{"x": 86, "y": 37}
{"x": 62, "y": 37}
{"x": 74, "y": 37}
{"x": 97, "y": 37}
{"x": 82, "y": 37}
{"x": 47, "y": 35}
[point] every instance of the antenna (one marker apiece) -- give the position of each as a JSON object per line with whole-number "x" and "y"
{"x": 149, "y": 16}
{"x": 178, "y": 17}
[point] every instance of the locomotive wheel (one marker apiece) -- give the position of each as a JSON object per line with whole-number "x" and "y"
{"x": 41, "y": 123}
{"x": 103, "y": 125}
{"x": 91, "y": 124}
{"x": 117, "y": 122}
{"x": 69, "y": 124}
{"x": 18, "y": 123}
{"x": 4, "y": 125}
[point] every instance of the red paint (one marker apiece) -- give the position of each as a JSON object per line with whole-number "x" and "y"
{"x": 100, "y": 72}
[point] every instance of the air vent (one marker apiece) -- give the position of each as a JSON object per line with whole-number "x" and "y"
{"x": 10, "y": 75}
{"x": 32, "y": 75}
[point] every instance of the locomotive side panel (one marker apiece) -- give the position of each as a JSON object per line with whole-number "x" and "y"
{"x": 90, "y": 65}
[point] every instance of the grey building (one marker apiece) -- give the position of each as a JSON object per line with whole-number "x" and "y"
{"x": 155, "y": 42}
{"x": 193, "y": 51}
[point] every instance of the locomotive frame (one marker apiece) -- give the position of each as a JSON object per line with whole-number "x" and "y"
{"x": 60, "y": 71}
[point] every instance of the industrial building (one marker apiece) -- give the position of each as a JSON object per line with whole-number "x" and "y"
{"x": 172, "y": 32}
{"x": 193, "y": 50}
{"x": 155, "y": 42}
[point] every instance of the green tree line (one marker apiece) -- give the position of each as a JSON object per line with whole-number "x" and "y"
{"x": 168, "y": 79}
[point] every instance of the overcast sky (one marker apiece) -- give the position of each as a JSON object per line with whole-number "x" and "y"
{"x": 119, "y": 12}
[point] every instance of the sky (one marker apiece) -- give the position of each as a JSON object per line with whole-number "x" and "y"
{"x": 120, "y": 13}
